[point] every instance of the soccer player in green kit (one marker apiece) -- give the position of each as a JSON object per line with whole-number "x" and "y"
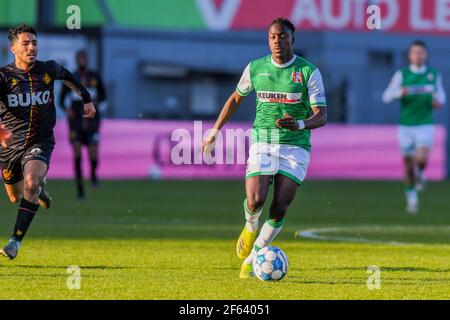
{"x": 420, "y": 90}
{"x": 290, "y": 101}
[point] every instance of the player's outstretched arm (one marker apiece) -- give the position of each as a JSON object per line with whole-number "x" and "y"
{"x": 5, "y": 134}
{"x": 228, "y": 109}
{"x": 318, "y": 119}
{"x": 75, "y": 85}
{"x": 439, "y": 96}
{"x": 394, "y": 89}
{"x": 62, "y": 97}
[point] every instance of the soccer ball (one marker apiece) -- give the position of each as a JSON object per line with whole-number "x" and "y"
{"x": 270, "y": 264}
{"x": 155, "y": 172}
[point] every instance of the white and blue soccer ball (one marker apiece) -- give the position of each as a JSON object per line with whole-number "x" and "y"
{"x": 155, "y": 172}
{"x": 270, "y": 264}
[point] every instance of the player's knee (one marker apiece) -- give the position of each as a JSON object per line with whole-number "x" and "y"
{"x": 77, "y": 153}
{"x": 409, "y": 167}
{"x": 422, "y": 161}
{"x": 31, "y": 184}
{"x": 255, "y": 202}
{"x": 422, "y": 165}
{"x": 409, "y": 171}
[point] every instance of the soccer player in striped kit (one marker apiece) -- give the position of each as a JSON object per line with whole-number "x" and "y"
{"x": 27, "y": 111}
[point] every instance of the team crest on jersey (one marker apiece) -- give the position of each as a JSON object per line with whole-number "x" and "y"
{"x": 297, "y": 76}
{"x": 14, "y": 82}
{"x": 430, "y": 77}
{"x": 93, "y": 82}
{"x": 7, "y": 174}
{"x": 46, "y": 78}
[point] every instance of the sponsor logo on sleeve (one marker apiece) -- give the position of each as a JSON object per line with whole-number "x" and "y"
{"x": 318, "y": 98}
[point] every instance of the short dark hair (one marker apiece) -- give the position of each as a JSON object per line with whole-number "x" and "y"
{"x": 284, "y": 22}
{"x": 418, "y": 43}
{"x": 13, "y": 33}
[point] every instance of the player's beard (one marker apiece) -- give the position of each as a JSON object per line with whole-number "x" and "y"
{"x": 28, "y": 60}
{"x": 32, "y": 54}
{"x": 31, "y": 59}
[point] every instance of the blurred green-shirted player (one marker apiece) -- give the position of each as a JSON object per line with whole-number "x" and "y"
{"x": 420, "y": 90}
{"x": 290, "y": 100}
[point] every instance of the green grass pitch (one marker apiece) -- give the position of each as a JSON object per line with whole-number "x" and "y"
{"x": 176, "y": 240}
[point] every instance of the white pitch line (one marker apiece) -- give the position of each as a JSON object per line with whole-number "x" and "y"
{"x": 315, "y": 235}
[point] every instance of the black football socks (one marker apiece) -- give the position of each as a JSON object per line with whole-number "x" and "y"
{"x": 25, "y": 215}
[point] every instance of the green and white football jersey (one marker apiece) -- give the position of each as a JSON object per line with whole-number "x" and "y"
{"x": 422, "y": 85}
{"x": 292, "y": 88}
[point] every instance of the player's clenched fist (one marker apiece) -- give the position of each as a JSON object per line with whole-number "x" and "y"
{"x": 89, "y": 110}
{"x": 288, "y": 122}
{"x": 5, "y": 136}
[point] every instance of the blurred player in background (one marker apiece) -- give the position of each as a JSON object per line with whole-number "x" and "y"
{"x": 290, "y": 102}
{"x": 84, "y": 131}
{"x": 420, "y": 90}
{"x": 27, "y": 110}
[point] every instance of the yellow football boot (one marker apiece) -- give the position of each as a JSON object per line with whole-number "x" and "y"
{"x": 245, "y": 243}
{"x": 246, "y": 271}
